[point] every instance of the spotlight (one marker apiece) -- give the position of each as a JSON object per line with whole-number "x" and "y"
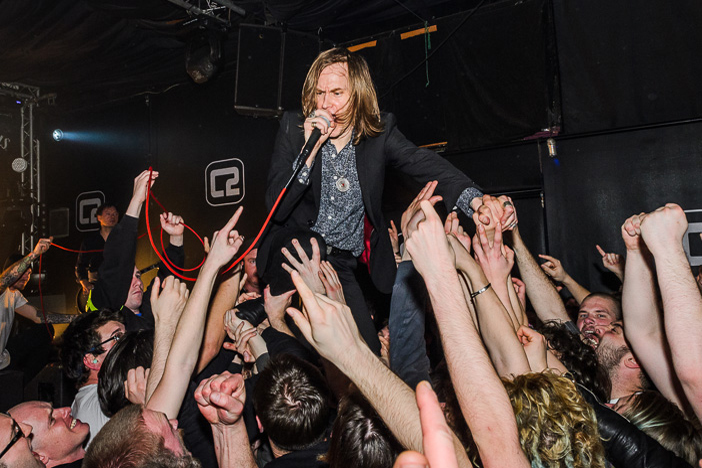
{"x": 58, "y": 134}
{"x": 19, "y": 165}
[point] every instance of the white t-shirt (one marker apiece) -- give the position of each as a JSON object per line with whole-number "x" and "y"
{"x": 86, "y": 407}
{"x": 10, "y": 300}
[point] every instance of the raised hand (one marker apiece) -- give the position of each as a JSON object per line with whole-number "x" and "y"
{"x": 241, "y": 332}
{"x": 174, "y": 227}
{"x": 631, "y": 233}
{"x": 535, "y": 348}
{"x": 394, "y": 240}
{"x": 225, "y": 243}
{"x": 135, "y": 385}
{"x": 327, "y": 325}
{"x": 663, "y": 229}
{"x": 309, "y": 269}
{"x": 427, "y": 243}
{"x": 612, "y": 261}
{"x": 275, "y": 305}
{"x": 553, "y": 268}
{"x": 42, "y": 246}
{"x": 221, "y": 398}
{"x": 413, "y": 214}
{"x": 332, "y": 284}
{"x": 168, "y": 299}
{"x": 520, "y": 289}
{"x": 437, "y": 440}
{"x": 496, "y": 266}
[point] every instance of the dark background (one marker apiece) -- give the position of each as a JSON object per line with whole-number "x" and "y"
{"x": 615, "y": 85}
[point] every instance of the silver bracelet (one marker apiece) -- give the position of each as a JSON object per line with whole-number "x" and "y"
{"x": 480, "y": 291}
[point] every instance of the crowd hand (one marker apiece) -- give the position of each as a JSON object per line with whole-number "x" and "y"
{"x": 247, "y": 296}
{"x": 384, "y": 337}
{"x": 535, "y": 348}
{"x": 86, "y": 285}
{"x": 241, "y": 332}
{"x": 413, "y": 214}
{"x": 331, "y": 282}
{"x": 520, "y": 289}
{"x": 394, "y": 239}
{"x": 275, "y": 305}
{"x": 309, "y": 269}
{"x": 664, "y": 228}
{"x": 496, "y": 266}
{"x": 42, "y": 246}
{"x": 135, "y": 385}
{"x": 327, "y": 325}
{"x": 553, "y": 268}
{"x": 225, "y": 243}
{"x": 631, "y": 234}
{"x": 427, "y": 242}
{"x": 437, "y": 440}
{"x": 612, "y": 261}
{"x": 168, "y": 299}
{"x": 324, "y": 121}
{"x": 173, "y": 225}
{"x": 221, "y": 398}
{"x": 140, "y": 185}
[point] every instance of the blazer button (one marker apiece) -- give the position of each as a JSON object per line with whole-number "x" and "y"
{"x": 310, "y": 223}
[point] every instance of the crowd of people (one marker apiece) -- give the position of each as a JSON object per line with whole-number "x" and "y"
{"x": 481, "y": 362}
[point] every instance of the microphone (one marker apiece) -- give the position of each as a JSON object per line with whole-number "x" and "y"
{"x": 312, "y": 140}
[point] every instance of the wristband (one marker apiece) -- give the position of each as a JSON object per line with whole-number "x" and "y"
{"x": 480, "y": 291}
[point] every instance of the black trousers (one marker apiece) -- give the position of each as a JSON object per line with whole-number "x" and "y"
{"x": 346, "y": 266}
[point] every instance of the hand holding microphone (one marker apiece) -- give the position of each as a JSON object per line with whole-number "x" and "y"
{"x": 318, "y": 128}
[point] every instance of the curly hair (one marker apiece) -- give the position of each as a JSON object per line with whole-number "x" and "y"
{"x": 80, "y": 338}
{"x": 662, "y": 420}
{"x": 363, "y": 112}
{"x": 135, "y": 349}
{"x": 359, "y": 437}
{"x": 579, "y": 358}
{"x": 557, "y": 428}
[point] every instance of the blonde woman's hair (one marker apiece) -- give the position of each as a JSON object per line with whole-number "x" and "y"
{"x": 362, "y": 111}
{"x": 557, "y": 428}
{"x": 662, "y": 420}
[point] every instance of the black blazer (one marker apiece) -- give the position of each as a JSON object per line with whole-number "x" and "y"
{"x": 300, "y": 205}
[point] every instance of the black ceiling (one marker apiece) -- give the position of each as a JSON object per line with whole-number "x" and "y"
{"x": 115, "y": 48}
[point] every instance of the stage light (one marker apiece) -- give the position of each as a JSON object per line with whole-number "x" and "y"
{"x": 19, "y": 165}
{"x": 58, "y": 134}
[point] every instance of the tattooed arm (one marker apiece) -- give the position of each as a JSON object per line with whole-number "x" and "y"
{"x": 17, "y": 269}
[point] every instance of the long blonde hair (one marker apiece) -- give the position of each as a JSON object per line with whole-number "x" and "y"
{"x": 557, "y": 428}
{"x": 362, "y": 111}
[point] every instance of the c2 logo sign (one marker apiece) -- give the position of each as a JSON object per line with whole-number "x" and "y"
{"x": 224, "y": 182}
{"x": 87, "y": 204}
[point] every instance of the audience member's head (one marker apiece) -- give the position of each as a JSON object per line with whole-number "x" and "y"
{"x": 107, "y": 215}
{"x": 579, "y": 358}
{"x": 138, "y": 437}
{"x": 86, "y": 343}
{"x": 15, "y": 446}
{"x": 135, "y": 296}
{"x": 252, "y": 283}
{"x": 292, "y": 402}
{"x": 597, "y": 310}
{"x": 615, "y": 356}
{"x": 664, "y": 421}
{"x": 135, "y": 349}
{"x": 556, "y": 425}
{"x": 57, "y": 437}
{"x": 360, "y": 438}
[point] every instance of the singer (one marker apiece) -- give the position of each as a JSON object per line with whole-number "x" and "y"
{"x": 343, "y": 176}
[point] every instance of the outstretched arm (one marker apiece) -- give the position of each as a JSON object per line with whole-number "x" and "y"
{"x": 183, "y": 354}
{"x": 643, "y": 318}
{"x": 483, "y": 399}
{"x": 17, "y": 269}
{"x": 554, "y": 269}
{"x": 663, "y": 230}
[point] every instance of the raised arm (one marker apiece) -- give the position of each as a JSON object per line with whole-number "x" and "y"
{"x": 17, "y": 269}
{"x": 330, "y": 328}
{"x": 663, "y": 230}
{"x": 642, "y": 316}
{"x": 483, "y": 399}
{"x": 183, "y": 354}
{"x": 554, "y": 269}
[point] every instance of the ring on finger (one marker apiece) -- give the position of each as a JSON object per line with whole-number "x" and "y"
{"x": 513, "y": 225}
{"x": 507, "y": 203}
{"x": 314, "y": 124}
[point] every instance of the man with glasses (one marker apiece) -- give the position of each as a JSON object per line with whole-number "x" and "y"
{"x": 86, "y": 342}
{"x": 17, "y": 451}
{"x": 58, "y": 438}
